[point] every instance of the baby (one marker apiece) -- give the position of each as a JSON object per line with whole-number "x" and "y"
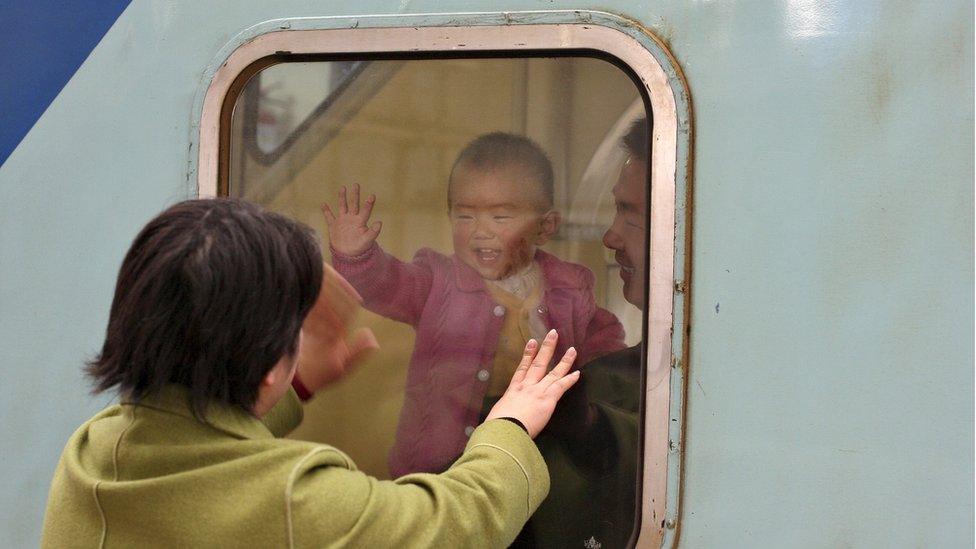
{"x": 472, "y": 311}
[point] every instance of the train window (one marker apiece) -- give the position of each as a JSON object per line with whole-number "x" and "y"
{"x": 475, "y": 201}
{"x": 285, "y": 98}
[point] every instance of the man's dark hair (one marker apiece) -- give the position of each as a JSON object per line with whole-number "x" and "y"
{"x": 504, "y": 150}
{"x": 211, "y": 295}
{"x": 637, "y": 139}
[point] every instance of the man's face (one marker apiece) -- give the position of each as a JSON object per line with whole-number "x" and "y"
{"x": 626, "y": 234}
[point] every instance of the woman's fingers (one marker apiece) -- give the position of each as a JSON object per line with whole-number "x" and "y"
{"x": 561, "y": 385}
{"x": 532, "y": 394}
{"x": 537, "y": 370}
{"x": 563, "y": 367}
{"x": 339, "y": 294}
{"x": 363, "y": 342}
{"x": 527, "y": 355}
{"x": 565, "y": 363}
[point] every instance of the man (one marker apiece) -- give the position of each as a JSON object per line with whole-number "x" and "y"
{"x": 592, "y": 445}
{"x": 217, "y": 306}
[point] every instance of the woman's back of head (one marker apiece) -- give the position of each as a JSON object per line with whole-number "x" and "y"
{"x": 211, "y": 294}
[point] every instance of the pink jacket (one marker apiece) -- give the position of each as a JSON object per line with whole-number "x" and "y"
{"x": 458, "y": 327}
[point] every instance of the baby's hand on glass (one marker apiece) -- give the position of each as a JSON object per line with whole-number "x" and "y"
{"x": 349, "y": 230}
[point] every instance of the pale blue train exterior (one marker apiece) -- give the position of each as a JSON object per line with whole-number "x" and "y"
{"x": 829, "y": 398}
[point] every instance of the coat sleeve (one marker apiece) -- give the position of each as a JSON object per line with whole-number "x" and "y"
{"x": 389, "y": 287}
{"x": 602, "y": 333}
{"x": 483, "y": 500}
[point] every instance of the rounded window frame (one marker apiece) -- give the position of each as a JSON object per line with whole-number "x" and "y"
{"x": 664, "y": 87}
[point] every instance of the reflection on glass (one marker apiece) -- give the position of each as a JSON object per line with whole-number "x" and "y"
{"x": 289, "y": 93}
{"x": 459, "y": 209}
{"x": 472, "y": 310}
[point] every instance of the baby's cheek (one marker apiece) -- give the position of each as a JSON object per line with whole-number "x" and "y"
{"x": 520, "y": 250}
{"x": 460, "y": 236}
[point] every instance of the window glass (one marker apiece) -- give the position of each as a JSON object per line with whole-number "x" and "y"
{"x": 288, "y": 94}
{"x": 511, "y": 199}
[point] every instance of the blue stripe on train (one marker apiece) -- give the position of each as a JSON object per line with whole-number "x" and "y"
{"x": 42, "y": 44}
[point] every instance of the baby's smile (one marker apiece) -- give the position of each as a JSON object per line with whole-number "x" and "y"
{"x": 495, "y": 262}
{"x": 487, "y": 255}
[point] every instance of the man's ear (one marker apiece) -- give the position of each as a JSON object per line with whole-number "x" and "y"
{"x": 548, "y": 226}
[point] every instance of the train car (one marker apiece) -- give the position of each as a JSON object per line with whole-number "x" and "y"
{"x": 800, "y": 310}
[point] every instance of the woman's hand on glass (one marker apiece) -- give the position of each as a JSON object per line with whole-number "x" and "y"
{"x": 327, "y": 351}
{"x": 534, "y": 390}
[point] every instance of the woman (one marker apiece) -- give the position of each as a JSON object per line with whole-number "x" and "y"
{"x": 204, "y": 340}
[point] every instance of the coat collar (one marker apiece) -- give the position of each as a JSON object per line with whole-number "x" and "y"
{"x": 175, "y": 399}
{"x": 555, "y": 274}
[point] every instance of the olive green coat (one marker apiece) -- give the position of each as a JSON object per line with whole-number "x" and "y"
{"x": 152, "y": 475}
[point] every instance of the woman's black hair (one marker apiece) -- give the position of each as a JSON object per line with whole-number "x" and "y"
{"x": 211, "y": 295}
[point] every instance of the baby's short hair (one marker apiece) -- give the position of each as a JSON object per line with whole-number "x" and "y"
{"x": 500, "y": 149}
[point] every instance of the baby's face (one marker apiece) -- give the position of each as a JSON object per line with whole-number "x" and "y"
{"x": 498, "y": 220}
